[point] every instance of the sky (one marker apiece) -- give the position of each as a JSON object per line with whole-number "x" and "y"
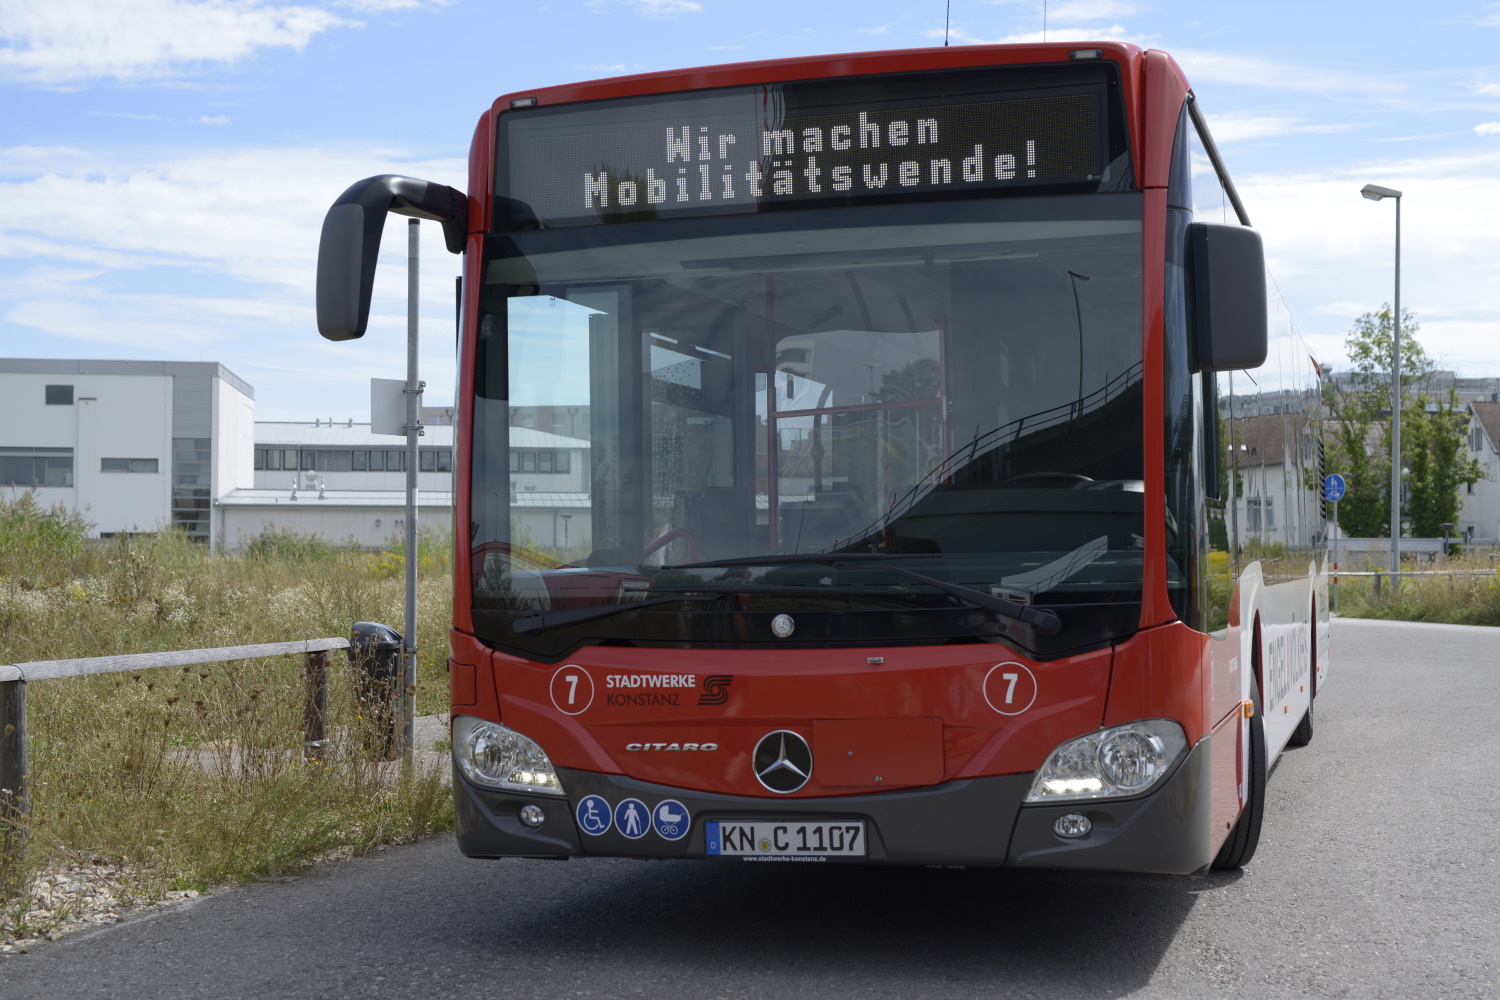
{"x": 165, "y": 165}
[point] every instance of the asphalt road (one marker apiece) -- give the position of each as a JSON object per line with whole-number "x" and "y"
{"x": 1378, "y": 876}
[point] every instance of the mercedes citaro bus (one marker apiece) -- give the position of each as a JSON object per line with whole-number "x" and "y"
{"x": 897, "y": 457}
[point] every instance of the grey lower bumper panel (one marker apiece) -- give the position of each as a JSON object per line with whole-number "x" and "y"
{"x": 978, "y": 821}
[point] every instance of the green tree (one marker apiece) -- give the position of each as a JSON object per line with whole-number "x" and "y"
{"x": 1361, "y": 415}
{"x": 1439, "y": 466}
{"x": 1431, "y": 443}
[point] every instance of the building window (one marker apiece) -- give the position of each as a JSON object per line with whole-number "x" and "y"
{"x": 358, "y": 460}
{"x": 445, "y": 461}
{"x": 191, "y": 484}
{"x": 309, "y": 458}
{"x": 426, "y": 461}
{"x": 393, "y": 460}
{"x": 36, "y": 466}
{"x": 335, "y": 461}
{"x": 377, "y": 461}
{"x": 540, "y": 461}
{"x": 260, "y": 459}
{"x": 128, "y": 465}
{"x": 59, "y": 395}
{"x": 559, "y": 420}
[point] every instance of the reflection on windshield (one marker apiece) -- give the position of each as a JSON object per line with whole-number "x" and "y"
{"x": 964, "y": 394}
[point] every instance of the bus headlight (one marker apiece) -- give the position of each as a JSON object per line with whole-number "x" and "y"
{"x": 488, "y": 754}
{"x": 1111, "y": 763}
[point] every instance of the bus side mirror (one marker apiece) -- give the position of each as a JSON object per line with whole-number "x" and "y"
{"x": 351, "y": 242}
{"x": 1227, "y": 296}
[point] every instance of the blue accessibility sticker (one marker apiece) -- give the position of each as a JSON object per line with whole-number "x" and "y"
{"x": 633, "y": 818}
{"x": 671, "y": 820}
{"x": 593, "y": 815}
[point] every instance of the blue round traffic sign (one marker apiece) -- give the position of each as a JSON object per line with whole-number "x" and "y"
{"x": 1333, "y": 487}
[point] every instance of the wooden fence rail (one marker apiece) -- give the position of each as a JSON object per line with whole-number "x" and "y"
{"x": 14, "y": 677}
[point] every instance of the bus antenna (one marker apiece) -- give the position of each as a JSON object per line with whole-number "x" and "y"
{"x": 947, "y": 17}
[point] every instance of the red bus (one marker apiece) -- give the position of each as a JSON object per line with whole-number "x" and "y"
{"x": 868, "y": 458}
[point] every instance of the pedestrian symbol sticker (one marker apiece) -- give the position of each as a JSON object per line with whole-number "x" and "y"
{"x": 671, "y": 820}
{"x": 593, "y": 815}
{"x": 632, "y": 818}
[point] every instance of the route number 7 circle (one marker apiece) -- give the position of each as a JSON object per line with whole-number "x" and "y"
{"x": 1010, "y": 688}
{"x": 572, "y": 690}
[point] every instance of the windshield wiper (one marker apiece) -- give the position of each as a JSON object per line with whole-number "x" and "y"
{"x": 1045, "y": 622}
{"x": 532, "y": 624}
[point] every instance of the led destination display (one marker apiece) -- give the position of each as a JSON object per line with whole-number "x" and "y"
{"x": 752, "y": 149}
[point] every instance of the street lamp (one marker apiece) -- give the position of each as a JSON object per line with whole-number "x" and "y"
{"x": 1375, "y": 192}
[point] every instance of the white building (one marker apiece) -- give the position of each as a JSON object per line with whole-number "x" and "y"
{"x": 347, "y": 485}
{"x": 1479, "y": 518}
{"x": 131, "y": 445}
{"x": 340, "y": 482}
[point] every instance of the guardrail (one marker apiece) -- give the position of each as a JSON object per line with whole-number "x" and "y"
{"x": 1381, "y": 574}
{"x": 14, "y": 677}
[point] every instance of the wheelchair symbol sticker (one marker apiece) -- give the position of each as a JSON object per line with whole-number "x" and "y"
{"x": 593, "y": 815}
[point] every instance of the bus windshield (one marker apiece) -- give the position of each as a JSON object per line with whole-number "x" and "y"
{"x": 957, "y": 385}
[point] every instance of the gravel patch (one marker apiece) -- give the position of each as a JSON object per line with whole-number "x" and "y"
{"x": 69, "y": 898}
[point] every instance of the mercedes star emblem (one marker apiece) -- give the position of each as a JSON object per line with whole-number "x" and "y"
{"x": 783, "y": 761}
{"x": 783, "y": 626}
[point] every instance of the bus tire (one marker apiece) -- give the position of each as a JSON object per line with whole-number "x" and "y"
{"x": 1245, "y": 837}
{"x": 1303, "y": 734}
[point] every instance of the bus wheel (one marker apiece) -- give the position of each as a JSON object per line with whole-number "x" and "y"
{"x": 1303, "y": 734}
{"x": 1245, "y": 837}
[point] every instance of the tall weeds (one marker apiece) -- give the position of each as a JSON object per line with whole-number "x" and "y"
{"x": 194, "y": 776}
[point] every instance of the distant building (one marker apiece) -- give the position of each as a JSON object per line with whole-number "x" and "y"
{"x": 131, "y": 445}
{"x": 1479, "y": 518}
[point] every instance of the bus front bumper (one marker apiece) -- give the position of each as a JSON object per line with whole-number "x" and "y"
{"x": 977, "y": 821}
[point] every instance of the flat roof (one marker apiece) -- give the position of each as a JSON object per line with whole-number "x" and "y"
{"x": 91, "y": 366}
{"x": 332, "y": 499}
{"x": 300, "y": 434}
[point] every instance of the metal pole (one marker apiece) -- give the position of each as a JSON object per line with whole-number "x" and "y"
{"x": 12, "y": 772}
{"x": 1396, "y": 414}
{"x": 1335, "y": 608}
{"x": 413, "y": 429}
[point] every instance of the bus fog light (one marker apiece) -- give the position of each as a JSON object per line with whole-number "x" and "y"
{"x": 488, "y": 754}
{"x": 1111, "y": 763}
{"x": 1072, "y": 825}
{"x": 532, "y": 815}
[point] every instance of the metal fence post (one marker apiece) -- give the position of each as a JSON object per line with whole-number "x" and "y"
{"x": 315, "y": 708}
{"x": 12, "y": 762}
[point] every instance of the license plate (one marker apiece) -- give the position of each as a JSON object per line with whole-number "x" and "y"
{"x": 811, "y": 840}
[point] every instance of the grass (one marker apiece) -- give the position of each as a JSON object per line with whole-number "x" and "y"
{"x": 1453, "y": 600}
{"x": 193, "y": 777}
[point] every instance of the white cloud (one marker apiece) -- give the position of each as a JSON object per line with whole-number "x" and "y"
{"x": 1111, "y": 33}
{"x": 1239, "y": 126}
{"x": 1088, "y": 10}
{"x": 1249, "y": 71}
{"x": 232, "y": 213}
{"x": 1488, "y": 128}
{"x": 1487, "y": 89}
{"x": 1331, "y": 251}
{"x": 210, "y": 120}
{"x": 70, "y": 41}
{"x": 651, "y": 8}
{"x": 884, "y": 29}
{"x": 382, "y": 6}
